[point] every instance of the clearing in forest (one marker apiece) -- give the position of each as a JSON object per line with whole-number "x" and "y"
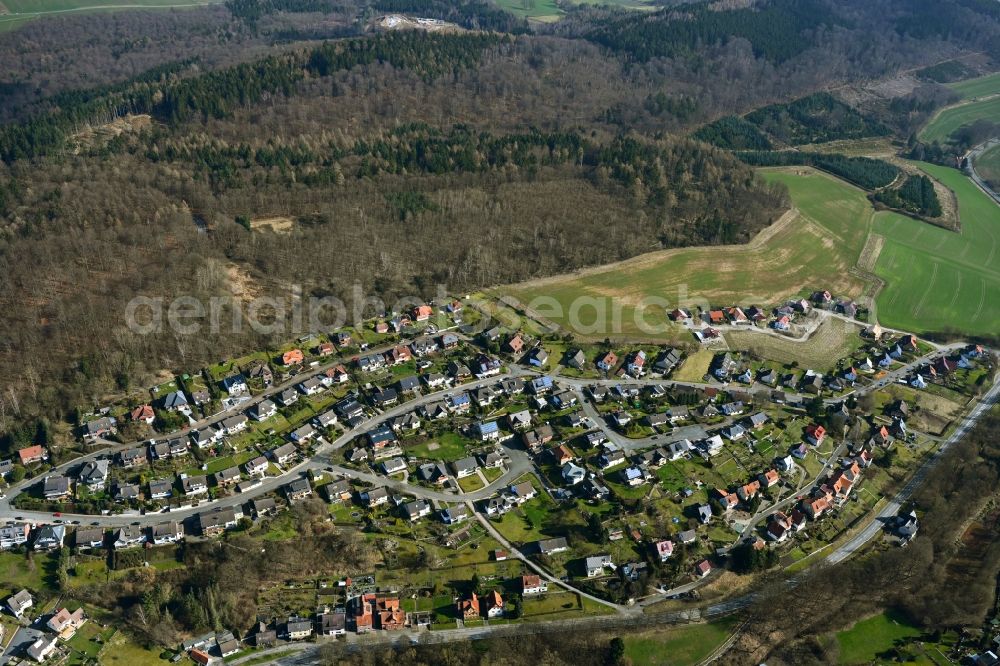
{"x": 279, "y": 225}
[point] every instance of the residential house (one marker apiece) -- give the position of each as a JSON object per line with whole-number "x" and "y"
{"x": 50, "y": 537}
{"x": 494, "y": 605}
{"x": 338, "y": 491}
{"x": 522, "y": 492}
{"x": 610, "y": 458}
{"x": 227, "y": 477}
{"x": 519, "y": 420}
{"x": 30, "y": 455}
{"x": 205, "y": 437}
{"x": 595, "y": 564}
{"x": 164, "y": 533}
{"x": 465, "y": 467}
{"x": 488, "y": 430}
{"x": 175, "y": 401}
{"x": 303, "y": 433}
{"x": 160, "y": 488}
{"x": 532, "y": 584}
{"x": 132, "y": 457}
{"x": 633, "y": 476}
{"x": 332, "y": 624}
{"x": 94, "y": 474}
{"x": 55, "y": 487}
{"x": 143, "y": 414}
{"x": 393, "y": 466}
{"x": 292, "y": 357}
{"x": 575, "y": 358}
{"x": 98, "y": 428}
{"x": 42, "y": 648}
{"x": 687, "y": 536}
{"x": 19, "y": 603}
{"x": 664, "y": 549}
{"x": 515, "y": 345}
{"x": 213, "y": 523}
{"x": 13, "y": 535}
{"x": 538, "y": 357}
{"x": 702, "y": 568}
{"x": 194, "y": 485}
{"x": 127, "y": 537}
{"x": 235, "y": 385}
{"x": 297, "y": 629}
{"x": 815, "y": 434}
{"x": 454, "y": 514}
{"x": 679, "y": 449}
{"x": 468, "y": 608}
{"x": 284, "y": 453}
{"x": 298, "y": 489}
{"x": 666, "y": 361}
{"x": 573, "y": 474}
{"x": 768, "y": 478}
{"x": 234, "y": 424}
{"x": 607, "y": 361}
{"x": 551, "y": 546}
{"x": 124, "y": 492}
{"x": 374, "y": 497}
{"x": 434, "y": 472}
{"x": 484, "y": 396}
{"x": 416, "y": 510}
{"x": 265, "y": 506}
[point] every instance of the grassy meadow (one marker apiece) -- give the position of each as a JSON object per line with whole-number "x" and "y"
{"x": 981, "y": 101}
{"x": 22, "y": 11}
{"x": 816, "y": 248}
{"x": 978, "y": 87}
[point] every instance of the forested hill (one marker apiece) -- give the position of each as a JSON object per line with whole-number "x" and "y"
{"x": 779, "y": 30}
{"x": 359, "y": 144}
{"x": 492, "y": 153}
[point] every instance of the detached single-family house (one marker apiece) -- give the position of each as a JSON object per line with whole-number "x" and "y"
{"x": 532, "y": 584}
{"x": 20, "y": 602}
{"x": 94, "y": 474}
{"x": 194, "y": 485}
{"x": 595, "y": 565}
{"x": 298, "y": 489}
{"x": 234, "y": 424}
{"x": 264, "y": 409}
{"x": 164, "y": 533}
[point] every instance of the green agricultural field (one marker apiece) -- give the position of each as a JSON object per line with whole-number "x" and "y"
{"x": 938, "y": 279}
{"x": 954, "y": 117}
{"x": 978, "y": 87}
{"x": 685, "y": 645}
{"x": 867, "y": 638}
{"x": 817, "y": 247}
{"x": 988, "y": 166}
{"x": 538, "y": 10}
{"x": 22, "y": 11}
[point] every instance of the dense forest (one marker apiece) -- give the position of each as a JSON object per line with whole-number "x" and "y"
{"x": 865, "y": 172}
{"x": 915, "y": 195}
{"x": 817, "y": 118}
